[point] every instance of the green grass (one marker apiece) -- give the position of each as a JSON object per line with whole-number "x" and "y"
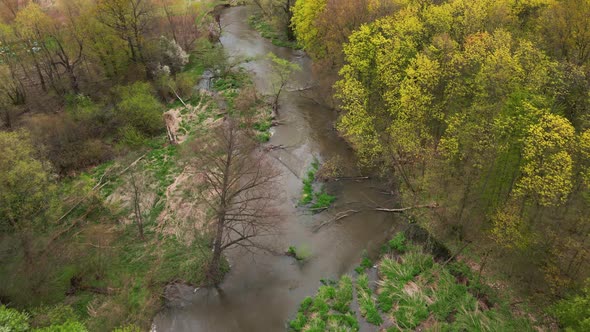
{"x": 299, "y": 253}
{"x": 317, "y": 200}
{"x": 411, "y": 287}
{"x": 366, "y": 263}
{"x": 367, "y": 303}
{"x": 268, "y": 31}
{"x": 328, "y": 310}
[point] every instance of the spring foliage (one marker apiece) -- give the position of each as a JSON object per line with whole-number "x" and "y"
{"x": 480, "y": 105}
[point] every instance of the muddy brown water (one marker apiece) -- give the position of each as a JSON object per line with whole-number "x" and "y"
{"x": 262, "y": 291}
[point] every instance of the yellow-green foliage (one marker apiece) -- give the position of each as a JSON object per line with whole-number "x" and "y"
{"x": 470, "y": 106}
{"x": 305, "y": 13}
{"x": 547, "y": 167}
{"x": 25, "y": 185}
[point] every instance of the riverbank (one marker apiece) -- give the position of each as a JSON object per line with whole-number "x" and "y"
{"x": 411, "y": 286}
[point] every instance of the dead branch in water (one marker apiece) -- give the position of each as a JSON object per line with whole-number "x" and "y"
{"x": 400, "y": 210}
{"x": 272, "y": 147}
{"x": 305, "y": 88}
{"x": 344, "y": 214}
{"x": 355, "y": 178}
{"x": 338, "y": 216}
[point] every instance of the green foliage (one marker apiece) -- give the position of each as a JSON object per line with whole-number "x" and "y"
{"x": 267, "y": 30}
{"x": 366, "y": 263}
{"x": 318, "y": 199}
{"x": 138, "y": 108}
{"x": 26, "y": 189}
{"x": 300, "y": 253}
{"x": 128, "y": 328}
{"x": 343, "y": 295}
{"x": 398, "y": 243}
{"x": 323, "y": 200}
{"x": 329, "y": 309}
{"x": 305, "y": 14}
{"x": 56, "y": 315}
{"x": 263, "y": 137}
{"x": 574, "y": 312}
{"x": 12, "y": 320}
{"x": 548, "y": 165}
{"x": 411, "y": 289}
{"x": 367, "y": 304}
{"x": 69, "y": 326}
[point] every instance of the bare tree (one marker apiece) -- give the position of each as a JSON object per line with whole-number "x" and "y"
{"x": 238, "y": 188}
{"x": 137, "y": 205}
{"x": 130, "y": 19}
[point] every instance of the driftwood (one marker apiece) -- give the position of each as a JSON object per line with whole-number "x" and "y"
{"x": 177, "y": 96}
{"x": 344, "y": 214}
{"x": 338, "y": 216}
{"x": 305, "y": 88}
{"x": 272, "y": 147}
{"x": 75, "y": 286}
{"x": 339, "y": 178}
{"x": 400, "y": 210}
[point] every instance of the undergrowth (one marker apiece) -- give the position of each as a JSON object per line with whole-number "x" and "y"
{"x": 413, "y": 293}
{"x": 316, "y": 199}
{"x": 268, "y": 31}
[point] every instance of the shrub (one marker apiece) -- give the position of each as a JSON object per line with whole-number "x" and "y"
{"x": 69, "y": 326}
{"x": 137, "y": 107}
{"x": 574, "y": 313}
{"x": 53, "y": 315}
{"x": 398, "y": 243}
{"x": 12, "y": 320}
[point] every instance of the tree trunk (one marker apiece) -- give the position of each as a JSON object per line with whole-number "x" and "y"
{"x": 27, "y": 250}
{"x": 214, "y": 267}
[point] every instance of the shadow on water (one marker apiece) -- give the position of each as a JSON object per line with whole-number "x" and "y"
{"x": 262, "y": 291}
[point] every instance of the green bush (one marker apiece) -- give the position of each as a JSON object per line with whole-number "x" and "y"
{"x": 69, "y": 326}
{"x": 12, "y": 320}
{"x": 574, "y": 313}
{"x": 128, "y": 328}
{"x": 139, "y": 108}
{"x": 323, "y": 200}
{"x": 131, "y": 136}
{"x": 45, "y": 316}
{"x": 343, "y": 295}
{"x": 299, "y": 322}
{"x": 398, "y": 243}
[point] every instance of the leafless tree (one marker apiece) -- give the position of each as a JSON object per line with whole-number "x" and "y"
{"x": 137, "y": 205}
{"x": 238, "y": 188}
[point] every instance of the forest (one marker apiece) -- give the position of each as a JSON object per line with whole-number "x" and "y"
{"x": 481, "y": 107}
{"x": 134, "y": 152}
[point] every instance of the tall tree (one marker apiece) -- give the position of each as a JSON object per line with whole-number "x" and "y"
{"x": 282, "y": 71}
{"x": 239, "y": 182}
{"x": 25, "y": 188}
{"x": 130, "y": 19}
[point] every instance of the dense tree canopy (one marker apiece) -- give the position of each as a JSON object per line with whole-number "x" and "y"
{"x": 480, "y": 105}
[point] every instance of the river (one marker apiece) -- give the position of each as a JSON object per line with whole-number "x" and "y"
{"x": 262, "y": 291}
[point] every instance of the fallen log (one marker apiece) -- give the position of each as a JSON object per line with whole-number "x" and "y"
{"x": 351, "y": 178}
{"x": 400, "y": 210}
{"x": 338, "y": 216}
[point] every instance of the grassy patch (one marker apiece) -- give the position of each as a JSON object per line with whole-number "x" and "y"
{"x": 366, "y": 301}
{"x": 412, "y": 289}
{"x": 329, "y": 310}
{"x": 269, "y": 31}
{"x": 299, "y": 253}
{"x": 317, "y": 200}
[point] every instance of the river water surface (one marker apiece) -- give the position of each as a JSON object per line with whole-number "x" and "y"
{"x": 262, "y": 291}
